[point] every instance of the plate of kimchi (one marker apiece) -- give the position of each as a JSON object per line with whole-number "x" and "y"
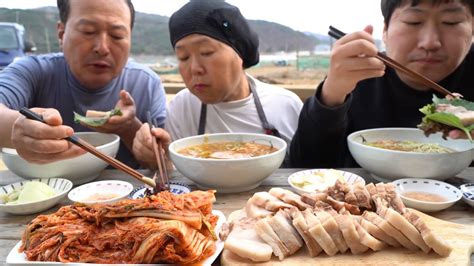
{"x": 159, "y": 229}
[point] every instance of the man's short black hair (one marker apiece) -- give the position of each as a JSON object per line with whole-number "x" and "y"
{"x": 388, "y": 6}
{"x": 64, "y": 10}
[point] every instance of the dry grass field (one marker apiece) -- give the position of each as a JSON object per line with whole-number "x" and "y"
{"x": 287, "y": 75}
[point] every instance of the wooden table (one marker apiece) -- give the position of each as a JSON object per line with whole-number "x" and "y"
{"x": 12, "y": 226}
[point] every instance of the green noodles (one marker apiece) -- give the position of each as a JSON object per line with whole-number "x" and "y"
{"x": 409, "y": 146}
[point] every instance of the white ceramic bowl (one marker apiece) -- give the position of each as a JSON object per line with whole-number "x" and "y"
{"x": 60, "y": 185}
{"x": 434, "y": 187}
{"x": 228, "y": 175}
{"x": 107, "y": 191}
{"x": 79, "y": 170}
{"x": 468, "y": 193}
{"x": 387, "y": 165}
{"x": 321, "y": 175}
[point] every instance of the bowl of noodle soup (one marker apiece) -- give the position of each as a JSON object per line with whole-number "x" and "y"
{"x": 228, "y": 162}
{"x": 394, "y": 153}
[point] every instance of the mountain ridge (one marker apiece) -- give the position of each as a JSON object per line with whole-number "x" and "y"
{"x": 150, "y": 34}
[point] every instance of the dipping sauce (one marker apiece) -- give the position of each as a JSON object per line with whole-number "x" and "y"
{"x": 227, "y": 150}
{"x": 424, "y": 196}
{"x": 101, "y": 196}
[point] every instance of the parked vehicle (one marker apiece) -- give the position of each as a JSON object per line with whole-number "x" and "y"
{"x": 12, "y": 44}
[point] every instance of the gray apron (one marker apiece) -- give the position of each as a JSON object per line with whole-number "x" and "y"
{"x": 269, "y": 128}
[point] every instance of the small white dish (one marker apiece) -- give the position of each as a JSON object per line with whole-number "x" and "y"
{"x": 427, "y": 190}
{"x": 468, "y": 193}
{"x": 60, "y": 185}
{"x": 175, "y": 188}
{"x": 323, "y": 178}
{"x": 107, "y": 191}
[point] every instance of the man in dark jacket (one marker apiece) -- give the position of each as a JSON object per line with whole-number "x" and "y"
{"x": 432, "y": 37}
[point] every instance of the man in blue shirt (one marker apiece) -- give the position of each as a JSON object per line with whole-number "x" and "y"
{"x": 92, "y": 73}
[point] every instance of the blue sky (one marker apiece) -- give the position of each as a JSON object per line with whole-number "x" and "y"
{"x": 302, "y": 15}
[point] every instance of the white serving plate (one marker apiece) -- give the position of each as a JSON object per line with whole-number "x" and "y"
{"x": 450, "y": 192}
{"x": 60, "y": 185}
{"x": 350, "y": 178}
{"x": 17, "y": 258}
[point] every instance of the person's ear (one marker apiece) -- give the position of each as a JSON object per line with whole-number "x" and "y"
{"x": 60, "y": 28}
{"x": 384, "y": 36}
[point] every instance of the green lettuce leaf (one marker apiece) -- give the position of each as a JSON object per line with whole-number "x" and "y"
{"x": 456, "y": 102}
{"x": 96, "y": 121}
{"x": 431, "y": 116}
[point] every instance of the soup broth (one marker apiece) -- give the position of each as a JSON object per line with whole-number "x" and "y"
{"x": 409, "y": 146}
{"x": 227, "y": 150}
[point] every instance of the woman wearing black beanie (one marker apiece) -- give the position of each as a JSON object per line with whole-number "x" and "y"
{"x": 214, "y": 44}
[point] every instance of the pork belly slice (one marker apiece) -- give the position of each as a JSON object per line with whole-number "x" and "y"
{"x": 350, "y": 197}
{"x": 396, "y": 219}
{"x": 282, "y": 226}
{"x": 332, "y": 228}
{"x": 402, "y": 224}
{"x": 439, "y": 245}
{"x": 243, "y": 236}
{"x": 366, "y": 238}
{"x": 302, "y": 227}
{"x": 350, "y": 234}
{"x": 254, "y": 211}
{"x": 255, "y": 251}
{"x": 269, "y": 202}
{"x": 376, "y": 232}
{"x": 338, "y": 191}
{"x": 371, "y": 189}
{"x": 389, "y": 229}
{"x": 265, "y": 231}
{"x": 313, "y": 198}
{"x": 338, "y": 205}
{"x": 288, "y": 197}
{"x": 363, "y": 196}
{"x": 394, "y": 199}
{"x": 316, "y": 230}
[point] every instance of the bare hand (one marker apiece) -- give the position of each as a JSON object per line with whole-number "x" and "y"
{"x": 352, "y": 60}
{"x": 143, "y": 148}
{"x": 459, "y": 134}
{"x": 42, "y": 143}
{"x": 119, "y": 124}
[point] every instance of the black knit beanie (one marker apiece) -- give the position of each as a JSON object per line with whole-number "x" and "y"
{"x": 218, "y": 20}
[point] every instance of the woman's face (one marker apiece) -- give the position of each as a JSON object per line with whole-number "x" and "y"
{"x": 211, "y": 69}
{"x": 430, "y": 39}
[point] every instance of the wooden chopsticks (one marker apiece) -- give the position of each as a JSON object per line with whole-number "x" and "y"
{"x": 337, "y": 34}
{"x": 161, "y": 162}
{"x": 88, "y": 147}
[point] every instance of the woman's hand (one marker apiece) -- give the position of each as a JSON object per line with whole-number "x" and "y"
{"x": 143, "y": 148}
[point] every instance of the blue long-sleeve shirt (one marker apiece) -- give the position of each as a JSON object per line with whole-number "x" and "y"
{"x": 46, "y": 81}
